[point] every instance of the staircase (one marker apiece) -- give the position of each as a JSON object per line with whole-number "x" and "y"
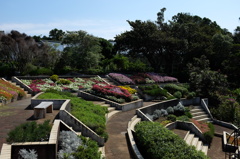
{"x": 111, "y": 110}
{"x": 199, "y": 114}
{"x": 192, "y": 140}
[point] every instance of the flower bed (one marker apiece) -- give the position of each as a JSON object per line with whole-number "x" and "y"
{"x": 114, "y": 93}
{"x": 121, "y": 78}
{"x": 141, "y": 78}
{"x": 69, "y": 84}
{"x": 130, "y": 90}
{"x": 154, "y": 91}
{"x": 9, "y": 91}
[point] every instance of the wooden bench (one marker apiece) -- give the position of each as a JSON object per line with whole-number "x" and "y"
{"x": 43, "y": 108}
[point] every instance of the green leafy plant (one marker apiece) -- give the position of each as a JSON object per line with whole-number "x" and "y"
{"x": 172, "y": 88}
{"x": 54, "y": 78}
{"x": 156, "y": 141}
{"x": 30, "y": 132}
{"x": 172, "y": 117}
{"x": 177, "y": 94}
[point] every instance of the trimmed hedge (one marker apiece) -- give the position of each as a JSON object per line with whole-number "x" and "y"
{"x": 157, "y": 142}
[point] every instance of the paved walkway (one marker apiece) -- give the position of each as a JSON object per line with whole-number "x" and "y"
{"x": 16, "y": 113}
{"x": 116, "y": 147}
{"x": 13, "y": 115}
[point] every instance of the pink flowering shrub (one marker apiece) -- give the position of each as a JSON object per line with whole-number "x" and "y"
{"x": 121, "y": 78}
{"x": 112, "y": 90}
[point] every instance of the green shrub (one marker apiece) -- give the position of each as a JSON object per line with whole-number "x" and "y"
{"x": 177, "y": 94}
{"x": 172, "y": 117}
{"x": 54, "y": 78}
{"x": 154, "y": 90}
{"x": 30, "y": 132}
{"x": 30, "y": 69}
{"x": 188, "y": 114}
{"x": 183, "y": 118}
{"x": 155, "y": 141}
{"x": 191, "y": 95}
{"x": 165, "y": 122}
{"x": 75, "y": 146}
{"x": 209, "y": 134}
{"x": 179, "y": 109}
{"x": 95, "y": 71}
{"x": 44, "y": 71}
{"x": 170, "y": 110}
{"x": 172, "y": 88}
{"x": 63, "y": 81}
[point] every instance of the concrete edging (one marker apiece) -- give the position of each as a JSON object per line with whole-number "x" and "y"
{"x": 123, "y": 107}
{"x": 133, "y": 145}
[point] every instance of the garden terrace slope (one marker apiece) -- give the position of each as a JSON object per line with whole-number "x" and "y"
{"x": 123, "y": 107}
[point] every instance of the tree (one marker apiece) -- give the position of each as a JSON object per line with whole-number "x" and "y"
{"x": 83, "y": 49}
{"x": 203, "y": 80}
{"x": 146, "y": 40}
{"x": 222, "y": 45}
{"x": 236, "y": 35}
{"x": 17, "y": 49}
{"x": 56, "y": 34}
{"x": 107, "y": 48}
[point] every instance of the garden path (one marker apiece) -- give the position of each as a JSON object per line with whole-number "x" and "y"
{"x": 13, "y": 115}
{"x": 117, "y": 147}
{"x": 16, "y": 113}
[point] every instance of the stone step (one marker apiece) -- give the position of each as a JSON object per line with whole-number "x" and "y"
{"x": 106, "y": 105}
{"x": 198, "y": 113}
{"x": 199, "y": 145}
{"x": 195, "y": 141}
{"x": 98, "y": 102}
{"x": 205, "y": 119}
{"x": 196, "y": 110}
{"x": 197, "y": 107}
{"x": 110, "y": 109}
{"x": 189, "y": 139}
{"x": 204, "y": 149}
{"x": 200, "y": 116}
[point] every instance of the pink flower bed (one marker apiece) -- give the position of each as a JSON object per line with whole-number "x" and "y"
{"x": 112, "y": 90}
{"x": 121, "y": 78}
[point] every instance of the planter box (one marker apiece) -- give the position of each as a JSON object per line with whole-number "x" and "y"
{"x": 228, "y": 147}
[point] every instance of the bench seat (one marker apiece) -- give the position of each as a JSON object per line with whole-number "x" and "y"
{"x": 43, "y": 108}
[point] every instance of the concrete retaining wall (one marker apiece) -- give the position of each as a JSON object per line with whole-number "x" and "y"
{"x": 164, "y": 105}
{"x": 46, "y": 150}
{"x": 123, "y": 107}
{"x": 189, "y": 126}
{"x": 78, "y": 126}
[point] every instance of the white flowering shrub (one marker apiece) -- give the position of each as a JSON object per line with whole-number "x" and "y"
{"x": 31, "y": 154}
{"x": 69, "y": 143}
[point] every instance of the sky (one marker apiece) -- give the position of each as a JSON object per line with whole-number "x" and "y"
{"x": 106, "y": 18}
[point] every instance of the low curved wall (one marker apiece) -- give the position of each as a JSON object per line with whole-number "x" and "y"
{"x": 123, "y": 107}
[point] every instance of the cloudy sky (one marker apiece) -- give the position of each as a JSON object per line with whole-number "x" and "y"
{"x": 105, "y": 18}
